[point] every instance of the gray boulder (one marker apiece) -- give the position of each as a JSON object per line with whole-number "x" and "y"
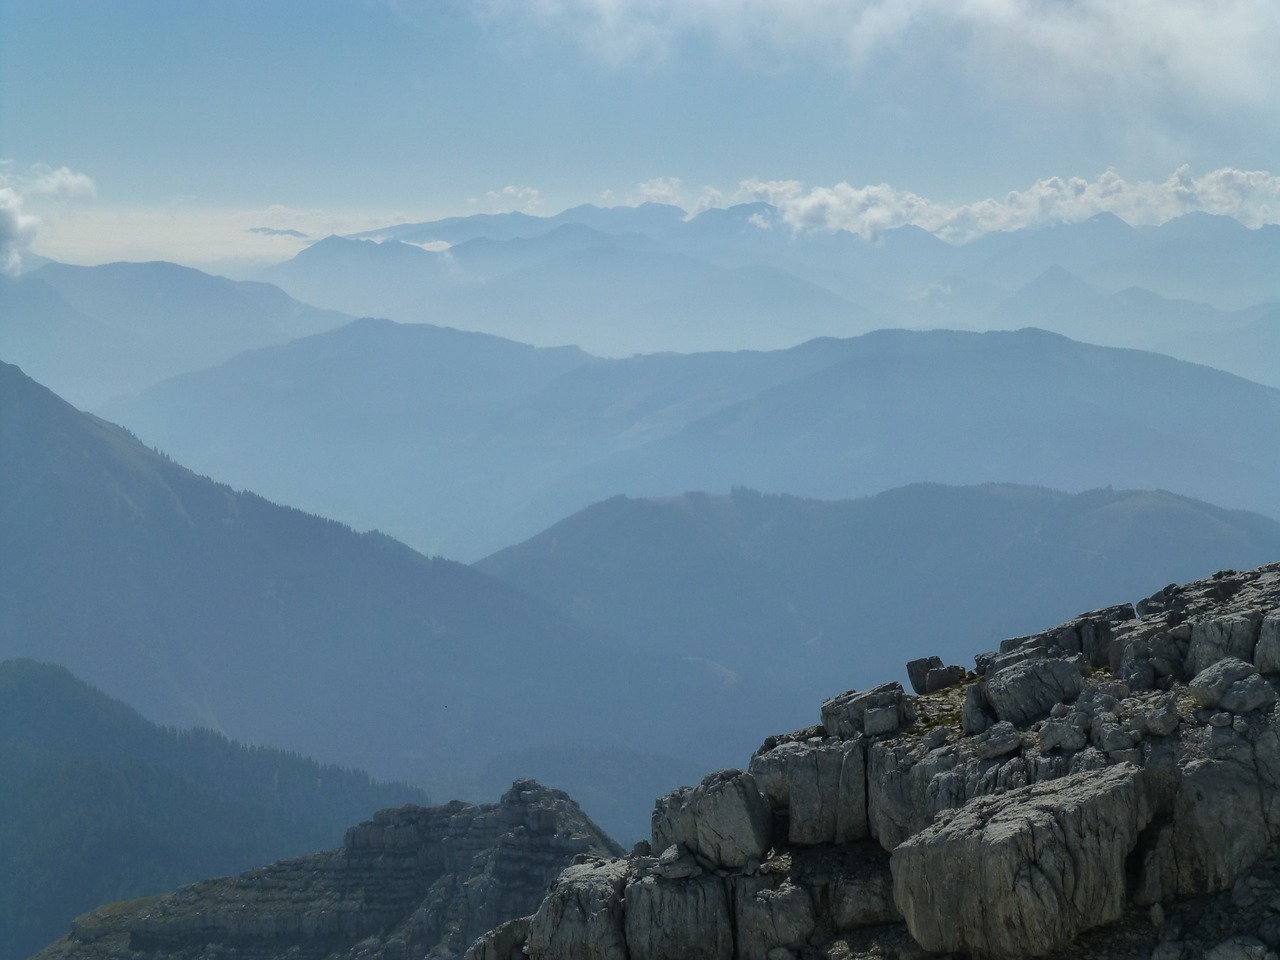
{"x": 929, "y": 674}
{"x": 844, "y": 716}
{"x": 975, "y": 714}
{"x": 822, "y": 786}
{"x": 1211, "y": 684}
{"x": 725, "y": 820}
{"x": 1062, "y": 735}
{"x": 581, "y": 916}
{"x": 770, "y": 917}
{"x": 678, "y": 919}
{"x": 1026, "y": 691}
{"x": 918, "y": 671}
{"x": 1225, "y": 814}
{"x": 1230, "y": 636}
{"x": 1266, "y": 655}
{"x": 999, "y": 740}
{"x": 1251, "y": 693}
{"x": 504, "y": 942}
{"x": 1161, "y": 718}
{"x": 1022, "y": 874}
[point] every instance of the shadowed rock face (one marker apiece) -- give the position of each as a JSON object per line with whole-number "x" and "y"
{"x": 1125, "y": 772}
{"x": 411, "y": 882}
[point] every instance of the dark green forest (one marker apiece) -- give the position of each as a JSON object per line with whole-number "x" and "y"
{"x": 97, "y": 804}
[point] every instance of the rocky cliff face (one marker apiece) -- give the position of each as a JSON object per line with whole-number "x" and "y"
{"x": 1108, "y": 788}
{"x": 413, "y": 882}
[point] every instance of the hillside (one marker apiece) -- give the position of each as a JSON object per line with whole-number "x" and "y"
{"x": 205, "y": 606}
{"x": 791, "y": 591}
{"x": 99, "y": 804}
{"x": 464, "y": 466}
{"x": 651, "y": 279}
{"x": 96, "y": 333}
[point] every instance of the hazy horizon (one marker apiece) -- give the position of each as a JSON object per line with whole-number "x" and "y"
{"x": 229, "y": 137}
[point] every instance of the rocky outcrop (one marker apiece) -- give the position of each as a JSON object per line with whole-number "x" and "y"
{"x": 1108, "y": 788}
{"x": 723, "y": 822}
{"x": 1106, "y": 782}
{"x": 1027, "y": 871}
{"x": 412, "y": 882}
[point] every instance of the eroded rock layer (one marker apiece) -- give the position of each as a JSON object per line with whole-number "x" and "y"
{"x": 413, "y": 882}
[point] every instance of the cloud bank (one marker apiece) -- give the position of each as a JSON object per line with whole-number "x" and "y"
{"x": 1252, "y": 197}
{"x": 1188, "y": 51}
{"x": 18, "y": 228}
{"x": 17, "y": 231}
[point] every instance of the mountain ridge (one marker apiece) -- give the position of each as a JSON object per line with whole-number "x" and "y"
{"x": 98, "y": 803}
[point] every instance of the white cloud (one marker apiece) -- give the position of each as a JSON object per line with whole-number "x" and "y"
{"x": 237, "y": 242}
{"x": 1136, "y": 51}
{"x": 523, "y": 199}
{"x": 62, "y": 183}
{"x": 17, "y": 230}
{"x": 1252, "y": 197}
{"x": 660, "y": 190}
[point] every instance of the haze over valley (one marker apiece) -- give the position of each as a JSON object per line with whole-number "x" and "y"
{"x": 402, "y": 399}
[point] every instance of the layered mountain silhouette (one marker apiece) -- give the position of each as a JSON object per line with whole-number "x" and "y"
{"x": 798, "y": 590}
{"x": 349, "y": 424}
{"x": 99, "y": 804}
{"x": 651, "y": 278}
{"x": 203, "y": 606}
{"x": 609, "y": 295}
{"x": 95, "y": 333}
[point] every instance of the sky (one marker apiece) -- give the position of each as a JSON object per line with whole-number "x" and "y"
{"x": 213, "y": 132}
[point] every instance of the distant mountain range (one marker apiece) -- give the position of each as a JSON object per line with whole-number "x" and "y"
{"x": 792, "y": 591}
{"x": 98, "y": 804}
{"x": 647, "y": 279}
{"x": 462, "y": 444}
{"x": 95, "y": 333}
{"x": 203, "y": 606}
{"x": 609, "y": 295}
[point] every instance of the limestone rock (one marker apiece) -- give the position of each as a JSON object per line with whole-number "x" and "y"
{"x": 929, "y": 674}
{"x": 1021, "y": 875}
{"x": 435, "y": 878}
{"x": 676, "y": 863}
{"x": 1266, "y": 655}
{"x": 844, "y": 716}
{"x": 1062, "y": 735}
{"x": 918, "y": 671}
{"x": 1251, "y": 693}
{"x": 1213, "y": 682}
{"x": 676, "y": 920}
{"x": 1225, "y": 814}
{"x": 1214, "y": 639}
{"x": 725, "y": 820}
{"x": 821, "y": 786}
{"x": 771, "y": 917}
{"x": 975, "y": 714}
{"x": 863, "y": 901}
{"x": 1026, "y": 691}
{"x": 581, "y": 917}
{"x": 1001, "y": 739}
{"x": 504, "y": 942}
{"x": 1162, "y": 718}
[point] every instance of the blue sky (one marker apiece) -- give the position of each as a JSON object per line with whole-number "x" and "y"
{"x": 169, "y": 127}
